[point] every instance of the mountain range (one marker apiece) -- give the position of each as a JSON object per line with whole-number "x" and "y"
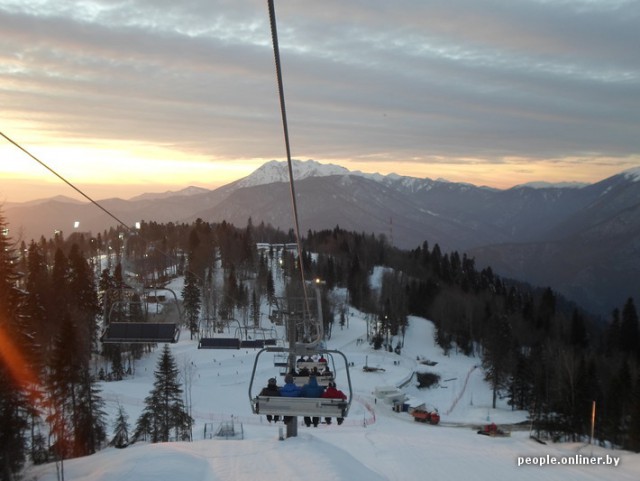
{"x": 582, "y": 240}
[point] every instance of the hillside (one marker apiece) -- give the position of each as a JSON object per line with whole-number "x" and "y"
{"x": 374, "y": 443}
{"x": 579, "y": 240}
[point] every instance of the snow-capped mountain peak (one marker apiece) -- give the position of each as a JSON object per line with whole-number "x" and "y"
{"x": 632, "y": 174}
{"x": 278, "y": 171}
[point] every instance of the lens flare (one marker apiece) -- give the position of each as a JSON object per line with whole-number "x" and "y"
{"x": 15, "y": 362}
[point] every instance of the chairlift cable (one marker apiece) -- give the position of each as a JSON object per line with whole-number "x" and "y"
{"x": 283, "y": 111}
{"x": 82, "y": 193}
{"x": 16, "y": 144}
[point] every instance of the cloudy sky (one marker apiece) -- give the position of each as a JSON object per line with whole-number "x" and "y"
{"x": 127, "y": 96}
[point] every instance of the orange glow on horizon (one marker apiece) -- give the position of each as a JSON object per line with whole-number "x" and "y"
{"x": 124, "y": 169}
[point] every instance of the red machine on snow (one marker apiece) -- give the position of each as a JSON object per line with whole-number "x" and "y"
{"x": 493, "y": 431}
{"x": 424, "y": 416}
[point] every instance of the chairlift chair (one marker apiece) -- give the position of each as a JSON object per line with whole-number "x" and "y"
{"x": 300, "y": 406}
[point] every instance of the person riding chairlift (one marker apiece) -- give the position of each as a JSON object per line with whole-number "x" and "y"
{"x": 312, "y": 389}
{"x": 271, "y": 389}
{"x": 289, "y": 390}
{"x": 332, "y": 392}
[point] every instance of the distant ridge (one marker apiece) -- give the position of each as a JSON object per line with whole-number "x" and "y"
{"x": 188, "y": 191}
{"x": 57, "y": 198}
{"x": 552, "y": 185}
{"x": 580, "y": 240}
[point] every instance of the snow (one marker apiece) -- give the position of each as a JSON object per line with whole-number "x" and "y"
{"x": 278, "y": 171}
{"x": 632, "y": 174}
{"x": 374, "y": 443}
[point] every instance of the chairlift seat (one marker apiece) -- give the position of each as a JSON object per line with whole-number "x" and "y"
{"x": 299, "y": 406}
{"x": 219, "y": 343}
{"x": 140, "y": 332}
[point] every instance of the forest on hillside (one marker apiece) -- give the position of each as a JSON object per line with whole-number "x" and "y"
{"x": 539, "y": 351}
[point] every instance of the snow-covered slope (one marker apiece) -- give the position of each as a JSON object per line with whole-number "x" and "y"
{"x": 374, "y": 443}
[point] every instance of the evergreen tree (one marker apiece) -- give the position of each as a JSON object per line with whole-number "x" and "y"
{"x": 58, "y": 289}
{"x": 617, "y": 403}
{"x": 634, "y": 428}
{"x": 16, "y": 369}
{"x": 76, "y": 417}
{"x": 191, "y": 301}
{"x": 271, "y": 290}
{"x": 90, "y": 428}
{"x": 121, "y": 429}
{"x": 498, "y": 354}
{"x": 117, "y": 311}
{"x": 629, "y": 334}
{"x": 106, "y": 285}
{"x": 546, "y": 309}
{"x": 107, "y": 295}
{"x": 164, "y": 410}
{"x": 37, "y": 297}
{"x": 63, "y": 386}
{"x": 521, "y": 383}
{"x": 83, "y": 301}
{"x": 255, "y": 308}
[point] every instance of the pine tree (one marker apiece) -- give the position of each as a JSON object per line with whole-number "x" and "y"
{"x": 255, "y": 308}
{"x": 121, "y": 429}
{"x": 192, "y": 301}
{"x": 59, "y": 307}
{"x": 117, "y": 312}
{"x": 164, "y": 410}
{"x": 63, "y": 385}
{"x": 90, "y": 429}
{"x": 37, "y": 284}
{"x": 521, "y": 382}
{"x": 629, "y": 333}
{"x": 16, "y": 370}
{"x": 634, "y": 424}
{"x": 271, "y": 290}
{"x": 107, "y": 297}
{"x": 83, "y": 301}
{"x": 498, "y": 356}
{"x": 106, "y": 285}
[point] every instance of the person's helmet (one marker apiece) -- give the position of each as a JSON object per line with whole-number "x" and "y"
{"x": 272, "y": 381}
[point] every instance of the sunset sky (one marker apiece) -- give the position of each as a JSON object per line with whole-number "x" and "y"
{"x": 123, "y": 97}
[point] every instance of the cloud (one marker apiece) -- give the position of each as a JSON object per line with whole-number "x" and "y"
{"x": 364, "y": 80}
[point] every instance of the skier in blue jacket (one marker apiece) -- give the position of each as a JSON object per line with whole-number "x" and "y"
{"x": 312, "y": 389}
{"x": 289, "y": 390}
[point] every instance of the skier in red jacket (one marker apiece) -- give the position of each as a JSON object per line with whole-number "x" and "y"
{"x": 332, "y": 392}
